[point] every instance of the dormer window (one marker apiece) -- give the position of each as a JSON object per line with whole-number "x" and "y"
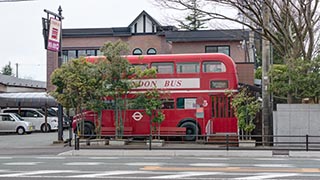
{"x": 137, "y": 51}
{"x": 151, "y": 51}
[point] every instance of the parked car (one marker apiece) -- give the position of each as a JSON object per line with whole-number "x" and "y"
{"x": 10, "y": 122}
{"x": 53, "y": 112}
{"x": 35, "y": 116}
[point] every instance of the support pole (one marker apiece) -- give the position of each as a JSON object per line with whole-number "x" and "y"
{"x": 266, "y": 112}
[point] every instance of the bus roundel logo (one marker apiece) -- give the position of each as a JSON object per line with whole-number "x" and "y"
{"x": 137, "y": 116}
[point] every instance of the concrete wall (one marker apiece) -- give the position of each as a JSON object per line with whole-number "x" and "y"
{"x": 296, "y": 119}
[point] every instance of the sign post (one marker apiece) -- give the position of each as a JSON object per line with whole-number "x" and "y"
{"x": 52, "y": 33}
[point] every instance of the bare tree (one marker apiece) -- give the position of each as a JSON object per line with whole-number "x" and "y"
{"x": 293, "y": 29}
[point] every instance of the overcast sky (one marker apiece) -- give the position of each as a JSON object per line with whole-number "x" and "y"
{"x": 21, "y": 29}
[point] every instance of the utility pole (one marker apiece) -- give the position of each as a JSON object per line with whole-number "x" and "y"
{"x": 266, "y": 111}
{"x": 17, "y": 70}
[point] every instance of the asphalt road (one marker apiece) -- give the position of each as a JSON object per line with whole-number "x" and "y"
{"x": 205, "y": 168}
{"x": 36, "y": 143}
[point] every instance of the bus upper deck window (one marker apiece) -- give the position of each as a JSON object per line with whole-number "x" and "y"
{"x": 213, "y": 66}
{"x": 163, "y": 68}
{"x": 188, "y": 67}
{"x": 140, "y": 66}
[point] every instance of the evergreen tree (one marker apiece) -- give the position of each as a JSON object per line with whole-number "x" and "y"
{"x": 195, "y": 20}
{"x": 7, "y": 70}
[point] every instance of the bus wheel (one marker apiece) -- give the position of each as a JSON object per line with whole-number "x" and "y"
{"x": 88, "y": 130}
{"x": 191, "y": 130}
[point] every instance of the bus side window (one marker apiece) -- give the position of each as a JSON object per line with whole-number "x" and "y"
{"x": 186, "y": 103}
{"x": 167, "y": 104}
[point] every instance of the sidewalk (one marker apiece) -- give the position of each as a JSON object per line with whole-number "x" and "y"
{"x": 188, "y": 153}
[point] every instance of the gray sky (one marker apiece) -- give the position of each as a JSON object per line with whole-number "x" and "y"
{"x": 21, "y": 27}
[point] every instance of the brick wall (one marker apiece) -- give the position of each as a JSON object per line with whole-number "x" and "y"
{"x": 144, "y": 42}
{"x": 245, "y": 73}
{"x": 236, "y": 52}
{"x": 52, "y": 64}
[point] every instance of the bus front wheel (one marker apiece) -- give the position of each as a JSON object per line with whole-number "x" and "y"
{"x": 191, "y": 131}
{"x": 86, "y": 131}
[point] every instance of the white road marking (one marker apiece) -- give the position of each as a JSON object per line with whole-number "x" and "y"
{"x": 103, "y": 158}
{"x": 209, "y": 164}
{"x": 184, "y": 175}
{"x": 36, "y": 173}
{"x": 107, "y": 173}
{"x": 48, "y": 157}
{"x": 144, "y": 164}
{"x": 83, "y": 163}
{"x": 157, "y": 158}
{"x": 274, "y": 165}
{"x": 22, "y": 163}
{"x": 6, "y": 157}
{"x": 270, "y": 159}
{"x": 214, "y": 158}
{"x": 269, "y": 175}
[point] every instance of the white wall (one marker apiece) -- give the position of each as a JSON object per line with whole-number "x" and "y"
{"x": 296, "y": 119}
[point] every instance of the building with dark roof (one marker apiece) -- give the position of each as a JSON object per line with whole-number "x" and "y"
{"x": 14, "y": 84}
{"x": 147, "y": 36}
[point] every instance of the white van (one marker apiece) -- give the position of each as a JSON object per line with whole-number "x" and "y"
{"x": 35, "y": 116}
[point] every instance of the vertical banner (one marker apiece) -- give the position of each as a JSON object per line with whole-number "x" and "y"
{"x": 54, "y": 35}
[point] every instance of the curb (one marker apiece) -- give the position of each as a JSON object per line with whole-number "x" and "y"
{"x": 169, "y": 153}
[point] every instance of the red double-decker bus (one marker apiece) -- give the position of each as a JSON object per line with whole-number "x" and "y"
{"x": 196, "y": 85}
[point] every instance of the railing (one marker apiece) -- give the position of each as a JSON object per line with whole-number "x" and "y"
{"x": 212, "y": 142}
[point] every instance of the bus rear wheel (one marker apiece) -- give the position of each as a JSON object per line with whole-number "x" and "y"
{"x": 191, "y": 131}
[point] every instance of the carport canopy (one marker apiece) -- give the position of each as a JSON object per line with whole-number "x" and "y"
{"x": 28, "y": 99}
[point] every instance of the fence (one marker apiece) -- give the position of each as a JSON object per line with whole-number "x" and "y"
{"x": 212, "y": 142}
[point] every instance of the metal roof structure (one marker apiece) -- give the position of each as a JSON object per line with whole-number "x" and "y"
{"x": 34, "y": 99}
{"x": 18, "y": 82}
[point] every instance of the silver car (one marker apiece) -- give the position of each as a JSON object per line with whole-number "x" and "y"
{"x": 10, "y": 122}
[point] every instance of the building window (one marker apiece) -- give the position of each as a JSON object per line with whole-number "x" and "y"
{"x": 82, "y": 53}
{"x": 90, "y": 52}
{"x": 72, "y": 54}
{"x": 188, "y": 67}
{"x": 135, "y": 28}
{"x": 218, "y": 49}
{"x": 137, "y": 51}
{"x": 151, "y": 51}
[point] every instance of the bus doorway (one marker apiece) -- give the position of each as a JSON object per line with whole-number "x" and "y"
{"x": 222, "y": 114}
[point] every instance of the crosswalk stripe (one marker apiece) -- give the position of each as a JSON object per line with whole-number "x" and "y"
{"x": 83, "y": 163}
{"x": 184, "y": 175}
{"x": 36, "y": 173}
{"x": 144, "y": 164}
{"x": 274, "y": 165}
{"x": 50, "y": 157}
{"x": 269, "y": 175}
{"x": 101, "y": 158}
{"x": 22, "y": 163}
{"x": 107, "y": 173}
{"x": 209, "y": 164}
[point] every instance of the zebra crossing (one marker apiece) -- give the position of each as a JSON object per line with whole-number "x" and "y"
{"x": 154, "y": 168}
{"x": 75, "y": 174}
